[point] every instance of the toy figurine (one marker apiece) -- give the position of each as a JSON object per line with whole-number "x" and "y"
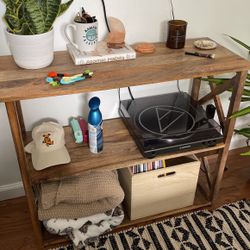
{"x": 56, "y": 79}
{"x": 77, "y": 132}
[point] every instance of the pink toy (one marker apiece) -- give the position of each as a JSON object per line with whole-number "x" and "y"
{"x": 84, "y": 128}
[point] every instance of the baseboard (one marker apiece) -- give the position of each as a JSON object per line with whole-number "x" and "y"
{"x": 11, "y": 191}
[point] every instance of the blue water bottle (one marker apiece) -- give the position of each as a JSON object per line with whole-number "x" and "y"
{"x": 95, "y": 126}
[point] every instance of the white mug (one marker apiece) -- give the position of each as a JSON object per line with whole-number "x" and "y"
{"x": 85, "y": 35}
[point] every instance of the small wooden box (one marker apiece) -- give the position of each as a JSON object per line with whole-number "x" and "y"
{"x": 161, "y": 190}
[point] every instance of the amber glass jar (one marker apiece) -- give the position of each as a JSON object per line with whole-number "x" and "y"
{"x": 176, "y": 34}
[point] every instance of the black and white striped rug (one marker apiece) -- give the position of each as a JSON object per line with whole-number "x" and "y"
{"x": 227, "y": 227}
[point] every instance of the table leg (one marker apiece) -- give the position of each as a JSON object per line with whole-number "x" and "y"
{"x": 196, "y": 88}
{"x": 218, "y": 105}
{"x": 19, "y": 146}
{"x": 238, "y": 85}
{"x": 20, "y": 117}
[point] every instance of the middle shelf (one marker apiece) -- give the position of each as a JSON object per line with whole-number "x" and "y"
{"x": 119, "y": 151}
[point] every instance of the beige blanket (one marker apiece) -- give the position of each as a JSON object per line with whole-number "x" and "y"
{"x": 91, "y": 193}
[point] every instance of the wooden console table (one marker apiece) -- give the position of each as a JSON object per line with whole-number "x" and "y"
{"x": 119, "y": 148}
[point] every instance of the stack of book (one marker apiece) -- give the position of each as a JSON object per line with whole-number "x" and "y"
{"x": 101, "y": 54}
{"x": 149, "y": 166}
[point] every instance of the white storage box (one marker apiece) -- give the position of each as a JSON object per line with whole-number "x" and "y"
{"x": 160, "y": 190}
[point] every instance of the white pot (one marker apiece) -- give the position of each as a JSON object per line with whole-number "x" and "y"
{"x": 32, "y": 51}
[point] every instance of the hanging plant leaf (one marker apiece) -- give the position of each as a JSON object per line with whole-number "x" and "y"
{"x": 247, "y": 83}
{"x": 241, "y": 112}
{"x": 245, "y": 154}
{"x": 245, "y": 99}
{"x": 244, "y": 131}
{"x": 217, "y": 81}
{"x": 240, "y": 42}
{"x": 246, "y": 92}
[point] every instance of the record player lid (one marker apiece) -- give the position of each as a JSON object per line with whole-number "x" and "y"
{"x": 170, "y": 116}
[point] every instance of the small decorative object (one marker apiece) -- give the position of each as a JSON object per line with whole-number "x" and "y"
{"x": 211, "y": 56}
{"x": 205, "y": 44}
{"x": 84, "y": 128}
{"x": 57, "y": 79}
{"x": 116, "y": 36}
{"x": 95, "y": 126}
{"x": 30, "y": 30}
{"x": 48, "y": 146}
{"x": 84, "y": 17}
{"x": 145, "y": 48}
{"x": 77, "y": 132}
{"x": 176, "y": 34}
{"x": 85, "y": 29}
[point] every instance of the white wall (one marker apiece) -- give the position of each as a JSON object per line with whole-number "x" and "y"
{"x": 145, "y": 20}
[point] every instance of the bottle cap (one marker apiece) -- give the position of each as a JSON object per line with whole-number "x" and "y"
{"x": 94, "y": 102}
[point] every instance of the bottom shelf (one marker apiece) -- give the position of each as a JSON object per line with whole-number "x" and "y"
{"x": 201, "y": 201}
{"x": 51, "y": 240}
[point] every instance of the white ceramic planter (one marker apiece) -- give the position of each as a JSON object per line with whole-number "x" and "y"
{"x": 32, "y": 51}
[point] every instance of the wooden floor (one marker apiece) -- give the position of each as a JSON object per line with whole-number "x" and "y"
{"x": 15, "y": 226}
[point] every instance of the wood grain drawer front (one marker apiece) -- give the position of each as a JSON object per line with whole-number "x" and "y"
{"x": 160, "y": 190}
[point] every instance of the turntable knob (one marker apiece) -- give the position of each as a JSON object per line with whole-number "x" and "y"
{"x": 210, "y": 111}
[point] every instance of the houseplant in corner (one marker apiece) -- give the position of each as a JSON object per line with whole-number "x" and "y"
{"x": 30, "y": 30}
{"x": 244, "y": 98}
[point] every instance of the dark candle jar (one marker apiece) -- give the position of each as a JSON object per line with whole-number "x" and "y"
{"x": 176, "y": 34}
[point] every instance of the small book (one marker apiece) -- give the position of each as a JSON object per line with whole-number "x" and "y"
{"x": 101, "y": 54}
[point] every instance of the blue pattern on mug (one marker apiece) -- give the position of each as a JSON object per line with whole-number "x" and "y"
{"x": 91, "y": 35}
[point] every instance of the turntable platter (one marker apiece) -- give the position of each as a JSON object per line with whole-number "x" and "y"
{"x": 164, "y": 120}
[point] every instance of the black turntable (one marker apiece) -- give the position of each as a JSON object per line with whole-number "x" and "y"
{"x": 169, "y": 123}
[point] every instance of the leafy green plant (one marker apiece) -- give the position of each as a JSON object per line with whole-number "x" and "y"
{"x": 29, "y": 17}
{"x": 244, "y": 98}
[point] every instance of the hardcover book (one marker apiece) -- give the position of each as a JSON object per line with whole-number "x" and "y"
{"x": 101, "y": 54}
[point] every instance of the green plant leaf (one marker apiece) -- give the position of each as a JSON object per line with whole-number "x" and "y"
{"x": 215, "y": 80}
{"x": 240, "y": 42}
{"x": 246, "y": 92}
{"x": 219, "y": 81}
{"x": 244, "y": 131}
{"x": 245, "y": 153}
{"x": 14, "y": 16}
{"x": 241, "y": 112}
{"x": 34, "y": 17}
{"x": 245, "y": 99}
{"x": 63, "y": 7}
{"x": 9, "y": 22}
{"x": 52, "y": 12}
{"x": 247, "y": 83}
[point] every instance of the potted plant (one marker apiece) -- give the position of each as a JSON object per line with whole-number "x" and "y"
{"x": 30, "y": 30}
{"x": 244, "y": 98}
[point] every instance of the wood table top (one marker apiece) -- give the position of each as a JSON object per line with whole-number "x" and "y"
{"x": 162, "y": 66}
